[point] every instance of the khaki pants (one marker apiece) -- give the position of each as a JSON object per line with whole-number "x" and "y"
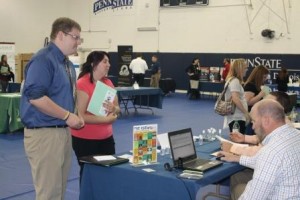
{"x": 154, "y": 82}
{"x": 194, "y": 84}
{"x": 49, "y": 152}
{"x": 238, "y": 183}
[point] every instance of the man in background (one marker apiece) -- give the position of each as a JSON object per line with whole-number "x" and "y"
{"x": 47, "y": 110}
{"x": 155, "y": 72}
{"x": 226, "y": 63}
{"x": 138, "y": 67}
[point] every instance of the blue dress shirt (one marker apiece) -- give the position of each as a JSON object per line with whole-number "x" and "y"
{"x": 46, "y": 75}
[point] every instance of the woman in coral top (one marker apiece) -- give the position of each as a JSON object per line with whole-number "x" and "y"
{"x": 96, "y": 137}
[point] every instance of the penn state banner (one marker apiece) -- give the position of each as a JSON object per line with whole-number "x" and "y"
{"x": 102, "y": 5}
{"x": 124, "y": 59}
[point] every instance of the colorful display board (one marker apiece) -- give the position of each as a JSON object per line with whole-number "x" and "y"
{"x": 144, "y": 144}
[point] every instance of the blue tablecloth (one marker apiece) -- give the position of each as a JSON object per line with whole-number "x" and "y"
{"x": 132, "y": 183}
{"x": 208, "y": 86}
{"x": 144, "y": 96}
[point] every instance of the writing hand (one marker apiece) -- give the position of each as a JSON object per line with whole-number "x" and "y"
{"x": 228, "y": 157}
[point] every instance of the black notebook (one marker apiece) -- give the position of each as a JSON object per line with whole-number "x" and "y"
{"x": 100, "y": 160}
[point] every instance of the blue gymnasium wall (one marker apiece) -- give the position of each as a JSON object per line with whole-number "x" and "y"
{"x": 174, "y": 64}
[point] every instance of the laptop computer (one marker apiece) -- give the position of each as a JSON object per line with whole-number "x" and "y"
{"x": 184, "y": 153}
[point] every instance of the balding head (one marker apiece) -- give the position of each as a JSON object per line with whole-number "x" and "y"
{"x": 267, "y": 115}
{"x": 270, "y": 107}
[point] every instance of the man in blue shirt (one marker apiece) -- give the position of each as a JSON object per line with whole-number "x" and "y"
{"x": 47, "y": 110}
{"x": 155, "y": 72}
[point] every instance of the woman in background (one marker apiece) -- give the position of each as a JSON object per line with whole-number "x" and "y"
{"x": 5, "y": 73}
{"x": 282, "y": 80}
{"x": 253, "y": 89}
{"x": 235, "y": 91}
{"x": 96, "y": 137}
{"x": 253, "y": 85}
{"x": 193, "y": 72}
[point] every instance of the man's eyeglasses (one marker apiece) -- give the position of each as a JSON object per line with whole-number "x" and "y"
{"x": 75, "y": 37}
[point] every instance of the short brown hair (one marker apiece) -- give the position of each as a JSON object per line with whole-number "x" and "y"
{"x": 63, "y": 24}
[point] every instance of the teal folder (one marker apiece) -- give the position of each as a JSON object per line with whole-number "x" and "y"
{"x": 101, "y": 94}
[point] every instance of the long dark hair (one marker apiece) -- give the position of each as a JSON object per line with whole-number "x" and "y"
{"x": 3, "y": 62}
{"x": 283, "y": 73}
{"x": 92, "y": 60}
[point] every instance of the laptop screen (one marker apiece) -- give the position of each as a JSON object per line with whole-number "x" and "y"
{"x": 182, "y": 145}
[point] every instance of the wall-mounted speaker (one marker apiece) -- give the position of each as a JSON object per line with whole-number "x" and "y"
{"x": 174, "y": 2}
{"x": 190, "y": 2}
{"x": 268, "y": 33}
{"x": 205, "y": 2}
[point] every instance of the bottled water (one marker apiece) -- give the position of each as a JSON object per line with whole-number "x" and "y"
{"x": 293, "y": 115}
{"x": 220, "y": 133}
{"x": 200, "y": 139}
{"x": 236, "y": 127}
{"x": 211, "y": 77}
{"x": 167, "y": 150}
{"x": 204, "y": 135}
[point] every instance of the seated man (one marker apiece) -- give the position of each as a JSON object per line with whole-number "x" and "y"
{"x": 239, "y": 180}
{"x": 277, "y": 164}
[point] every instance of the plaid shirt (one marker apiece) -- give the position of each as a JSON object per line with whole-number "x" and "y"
{"x": 276, "y": 167}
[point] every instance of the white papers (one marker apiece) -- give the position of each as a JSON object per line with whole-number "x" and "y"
{"x": 297, "y": 125}
{"x": 233, "y": 143}
{"x": 126, "y": 156}
{"x": 163, "y": 140}
{"x": 215, "y": 153}
{"x": 104, "y": 158}
{"x": 148, "y": 170}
